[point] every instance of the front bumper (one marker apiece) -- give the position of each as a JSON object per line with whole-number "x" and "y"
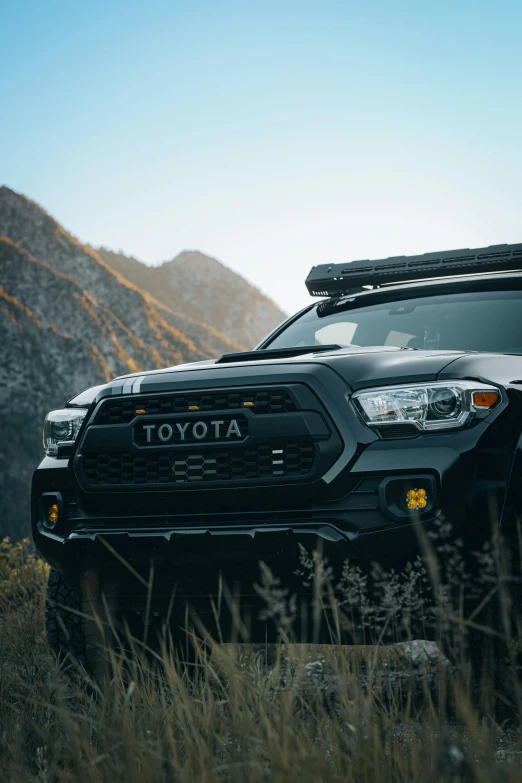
{"x": 193, "y": 553}
{"x": 350, "y": 505}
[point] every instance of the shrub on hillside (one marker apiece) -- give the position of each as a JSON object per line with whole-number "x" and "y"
{"x": 23, "y": 574}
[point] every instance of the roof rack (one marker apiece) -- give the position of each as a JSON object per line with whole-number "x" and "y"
{"x": 339, "y": 279}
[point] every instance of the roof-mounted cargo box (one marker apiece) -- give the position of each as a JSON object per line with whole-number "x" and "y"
{"x": 338, "y": 279}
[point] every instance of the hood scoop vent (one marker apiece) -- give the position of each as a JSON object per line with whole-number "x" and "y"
{"x": 274, "y": 353}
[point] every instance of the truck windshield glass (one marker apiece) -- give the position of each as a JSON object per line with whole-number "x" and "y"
{"x": 475, "y": 321}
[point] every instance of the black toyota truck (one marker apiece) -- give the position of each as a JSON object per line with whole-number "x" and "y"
{"x": 392, "y": 403}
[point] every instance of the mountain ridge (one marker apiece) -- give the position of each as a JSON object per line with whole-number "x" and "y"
{"x": 200, "y": 285}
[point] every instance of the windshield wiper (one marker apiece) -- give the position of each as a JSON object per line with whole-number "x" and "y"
{"x": 274, "y": 353}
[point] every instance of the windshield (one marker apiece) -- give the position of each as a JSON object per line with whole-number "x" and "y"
{"x": 474, "y": 321}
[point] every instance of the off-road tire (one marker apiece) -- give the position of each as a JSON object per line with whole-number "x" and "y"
{"x": 71, "y": 636}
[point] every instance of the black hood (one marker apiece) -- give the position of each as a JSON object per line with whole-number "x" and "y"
{"x": 382, "y": 366}
{"x": 359, "y": 367}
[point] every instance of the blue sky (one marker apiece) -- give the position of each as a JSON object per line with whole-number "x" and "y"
{"x": 272, "y": 135}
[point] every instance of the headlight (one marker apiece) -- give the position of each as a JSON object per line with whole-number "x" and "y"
{"x": 429, "y": 406}
{"x": 61, "y": 428}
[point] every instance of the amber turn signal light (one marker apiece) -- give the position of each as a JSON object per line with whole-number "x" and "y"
{"x": 416, "y": 498}
{"x": 485, "y": 399}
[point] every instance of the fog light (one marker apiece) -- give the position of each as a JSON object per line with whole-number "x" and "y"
{"x": 417, "y": 498}
{"x": 401, "y": 496}
{"x": 51, "y": 510}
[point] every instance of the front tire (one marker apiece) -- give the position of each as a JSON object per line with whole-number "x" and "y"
{"x": 71, "y": 636}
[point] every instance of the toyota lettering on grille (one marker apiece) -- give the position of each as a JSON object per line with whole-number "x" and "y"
{"x": 188, "y": 431}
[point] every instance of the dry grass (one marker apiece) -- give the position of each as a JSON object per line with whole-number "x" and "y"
{"x": 279, "y": 713}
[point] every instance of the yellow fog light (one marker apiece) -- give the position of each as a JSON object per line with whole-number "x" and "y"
{"x": 417, "y": 498}
{"x": 52, "y": 516}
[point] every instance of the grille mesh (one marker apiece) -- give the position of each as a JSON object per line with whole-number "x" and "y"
{"x": 265, "y": 401}
{"x": 184, "y": 466}
{"x": 393, "y": 431}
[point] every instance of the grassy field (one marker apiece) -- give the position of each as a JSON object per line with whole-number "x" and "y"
{"x": 245, "y": 713}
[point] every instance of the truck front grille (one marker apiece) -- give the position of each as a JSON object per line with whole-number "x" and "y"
{"x": 192, "y": 465}
{"x": 259, "y": 401}
{"x": 218, "y": 438}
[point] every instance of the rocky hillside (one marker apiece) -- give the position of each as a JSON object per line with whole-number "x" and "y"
{"x": 69, "y": 320}
{"x": 41, "y": 365}
{"x": 202, "y": 288}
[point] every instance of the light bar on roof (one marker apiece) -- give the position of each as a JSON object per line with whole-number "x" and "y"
{"x": 337, "y": 279}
